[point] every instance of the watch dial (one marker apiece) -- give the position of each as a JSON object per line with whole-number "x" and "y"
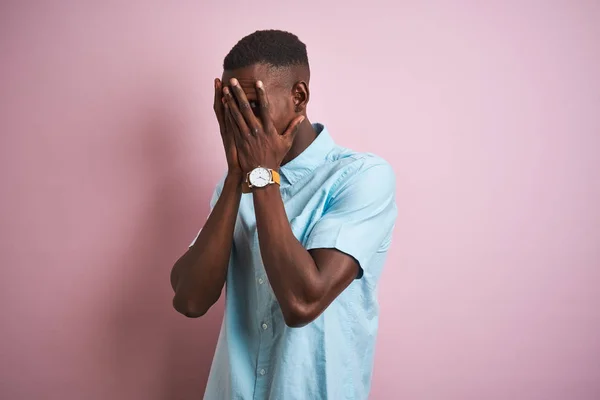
{"x": 260, "y": 177}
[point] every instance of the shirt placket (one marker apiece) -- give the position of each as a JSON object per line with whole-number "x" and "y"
{"x": 265, "y": 334}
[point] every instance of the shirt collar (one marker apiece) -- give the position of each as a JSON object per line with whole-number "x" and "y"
{"x": 313, "y": 156}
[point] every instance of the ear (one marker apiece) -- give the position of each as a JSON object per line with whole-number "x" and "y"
{"x": 301, "y": 95}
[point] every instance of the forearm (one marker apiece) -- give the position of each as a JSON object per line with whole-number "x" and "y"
{"x": 292, "y": 272}
{"x": 198, "y": 277}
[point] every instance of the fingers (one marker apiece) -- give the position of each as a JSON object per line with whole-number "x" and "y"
{"x": 263, "y": 99}
{"x": 227, "y": 117}
{"x": 292, "y": 129}
{"x": 244, "y": 106}
{"x": 230, "y": 123}
{"x": 238, "y": 118}
{"x": 218, "y": 104}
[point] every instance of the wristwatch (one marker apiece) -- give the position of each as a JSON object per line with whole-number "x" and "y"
{"x": 260, "y": 177}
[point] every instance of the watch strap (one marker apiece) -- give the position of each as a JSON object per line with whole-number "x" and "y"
{"x": 275, "y": 177}
{"x": 246, "y": 188}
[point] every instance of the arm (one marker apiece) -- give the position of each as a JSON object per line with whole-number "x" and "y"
{"x": 199, "y": 275}
{"x": 305, "y": 283}
{"x": 357, "y": 225}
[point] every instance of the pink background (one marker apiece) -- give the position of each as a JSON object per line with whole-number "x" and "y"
{"x": 109, "y": 153}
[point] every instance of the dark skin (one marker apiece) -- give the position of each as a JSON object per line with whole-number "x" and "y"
{"x": 266, "y": 130}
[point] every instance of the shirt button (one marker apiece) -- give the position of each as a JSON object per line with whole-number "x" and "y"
{"x": 265, "y": 326}
{"x": 262, "y": 371}
{"x": 261, "y": 281}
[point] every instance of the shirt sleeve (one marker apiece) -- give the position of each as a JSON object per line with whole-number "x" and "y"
{"x": 213, "y": 201}
{"x": 360, "y": 216}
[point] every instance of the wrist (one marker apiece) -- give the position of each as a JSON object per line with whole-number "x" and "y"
{"x": 236, "y": 177}
{"x": 267, "y": 191}
{"x": 233, "y": 183}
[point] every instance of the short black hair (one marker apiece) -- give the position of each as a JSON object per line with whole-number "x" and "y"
{"x": 273, "y": 47}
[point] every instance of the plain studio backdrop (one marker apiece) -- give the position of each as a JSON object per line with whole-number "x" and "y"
{"x": 488, "y": 112}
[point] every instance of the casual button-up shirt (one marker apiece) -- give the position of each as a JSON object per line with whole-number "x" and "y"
{"x": 334, "y": 198}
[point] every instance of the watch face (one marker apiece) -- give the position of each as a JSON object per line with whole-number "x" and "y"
{"x": 260, "y": 177}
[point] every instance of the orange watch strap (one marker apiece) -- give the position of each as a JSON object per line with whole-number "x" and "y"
{"x": 276, "y": 177}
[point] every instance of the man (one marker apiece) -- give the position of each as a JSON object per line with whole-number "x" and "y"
{"x": 301, "y": 252}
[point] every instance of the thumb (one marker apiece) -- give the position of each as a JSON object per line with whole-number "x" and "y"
{"x": 293, "y": 128}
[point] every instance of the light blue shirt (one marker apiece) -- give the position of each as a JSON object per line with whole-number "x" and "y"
{"x": 334, "y": 198}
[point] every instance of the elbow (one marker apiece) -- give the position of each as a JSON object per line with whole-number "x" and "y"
{"x": 299, "y": 315}
{"x": 188, "y": 307}
{"x": 301, "y": 310}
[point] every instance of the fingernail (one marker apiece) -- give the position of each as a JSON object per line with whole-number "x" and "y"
{"x": 234, "y": 81}
{"x": 226, "y": 90}
{"x": 216, "y": 82}
{"x": 259, "y": 84}
{"x": 301, "y": 120}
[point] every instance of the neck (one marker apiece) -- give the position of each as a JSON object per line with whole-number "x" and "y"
{"x": 305, "y": 136}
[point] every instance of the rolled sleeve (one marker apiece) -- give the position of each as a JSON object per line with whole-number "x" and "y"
{"x": 361, "y": 215}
